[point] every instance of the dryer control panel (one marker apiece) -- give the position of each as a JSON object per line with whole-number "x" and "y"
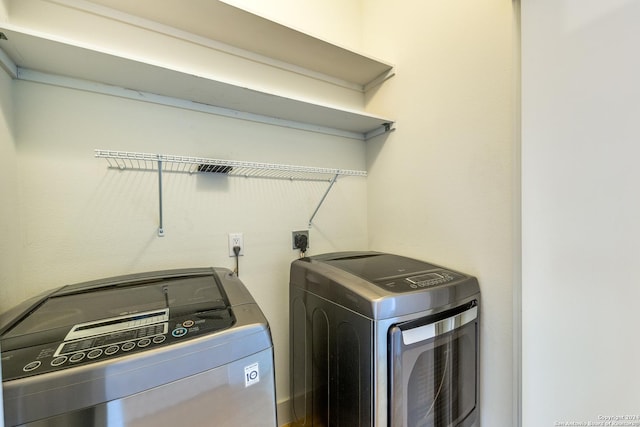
{"x": 428, "y": 280}
{"x": 393, "y": 273}
{"x": 421, "y": 281}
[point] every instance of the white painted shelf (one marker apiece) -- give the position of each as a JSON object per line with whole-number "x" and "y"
{"x": 233, "y": 26}
{"x": 57, "y": 60}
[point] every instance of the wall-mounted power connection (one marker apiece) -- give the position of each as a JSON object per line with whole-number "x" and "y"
{"x": 236, "y": 240}
{"x": 300, "y": 240}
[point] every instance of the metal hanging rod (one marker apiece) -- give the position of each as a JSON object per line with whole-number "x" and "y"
{"x": 125, "y": 160}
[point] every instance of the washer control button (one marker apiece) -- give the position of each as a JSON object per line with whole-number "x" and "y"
{"x": 188, "y": 323}
{"x": 96, "y": 352}
{"x": 112, "y": 349}
{"x": 179, "y": 332}
{"x": 58, "y": 360}
{"x": 32, "y": 366}
{"x": 159, "y": 339}
{"x": 76, "y": 357}
{"x": 129, "y": 345}
{"x": 144, "y": 342}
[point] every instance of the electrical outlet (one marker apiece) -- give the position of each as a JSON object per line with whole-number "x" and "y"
{"x": 297, "y": 237}
{"x": 236, "y": 239}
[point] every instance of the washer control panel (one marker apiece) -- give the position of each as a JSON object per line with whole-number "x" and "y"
{"x": 94, "y": 348}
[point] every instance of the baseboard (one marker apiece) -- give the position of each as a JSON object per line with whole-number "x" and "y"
{"x": 283, "y": 411}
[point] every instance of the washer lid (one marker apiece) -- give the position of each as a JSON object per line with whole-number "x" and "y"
{"x": 378, "y": 267}
{"x": 112, "y": 304}
{"x": 394, "y": 273}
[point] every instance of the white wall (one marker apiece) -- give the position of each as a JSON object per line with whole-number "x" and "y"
{"x": 80, "y": 221}
{"x": 580, "y": 109}
{"x": 441, "y": 187}
{"x": 8, "y": 194}
{"x": 72, "y": 219}
{"x": 3, "y": 10}
{"x": 9, "y": 217}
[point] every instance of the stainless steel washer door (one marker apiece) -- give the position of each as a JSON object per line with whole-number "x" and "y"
{"x": 433, "y": 366}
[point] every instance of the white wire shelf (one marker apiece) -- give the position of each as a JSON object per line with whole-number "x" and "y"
{"x": 161, "y": 163}
{"x": 182, "y": 164}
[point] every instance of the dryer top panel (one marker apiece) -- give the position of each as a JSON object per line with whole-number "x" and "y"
{"x": 380, "y": 285}
{"x": 393, "y": 273}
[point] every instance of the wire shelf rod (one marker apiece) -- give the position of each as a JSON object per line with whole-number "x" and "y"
{"x": 172, "y": 163}
{"x": 126, "y": 160}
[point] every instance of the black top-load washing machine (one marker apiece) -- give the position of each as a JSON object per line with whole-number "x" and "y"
{"x": 383, "y": 340}
{"x": 171, "y": 348}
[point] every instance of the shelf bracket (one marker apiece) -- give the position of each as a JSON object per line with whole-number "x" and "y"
{"x": 380, "y": 130}
{"x": 333, "y": 181}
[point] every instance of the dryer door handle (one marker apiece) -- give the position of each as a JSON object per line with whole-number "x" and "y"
{"x": 432, "y": 330}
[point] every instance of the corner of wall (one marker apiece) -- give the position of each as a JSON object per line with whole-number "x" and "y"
{"x": 517, "y": 218}
{"x": 4, "y": 11}
{"x": 9, "y": 217}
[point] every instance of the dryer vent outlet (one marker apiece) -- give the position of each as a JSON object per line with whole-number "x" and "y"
{"x": 300, "y": 240}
